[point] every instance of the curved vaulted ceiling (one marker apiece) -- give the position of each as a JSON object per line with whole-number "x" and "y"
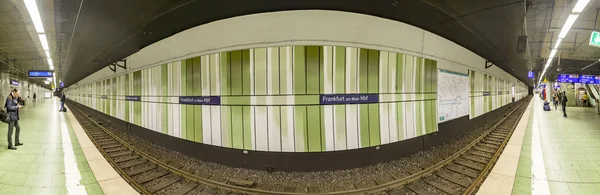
{"x": 91, "y": 34}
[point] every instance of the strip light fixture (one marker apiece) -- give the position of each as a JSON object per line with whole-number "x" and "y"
{"x": 579, "y": 6}
{"x": 36, "y": 18}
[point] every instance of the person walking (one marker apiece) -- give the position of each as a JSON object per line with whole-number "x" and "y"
{"x": 62, "y": 102}
{"x": 585, "y": 99}
{"x": 12, "y": 107}
{"x": 563, "y": 102}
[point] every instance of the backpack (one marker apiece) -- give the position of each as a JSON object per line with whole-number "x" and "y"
{"x": 546, "y": 106}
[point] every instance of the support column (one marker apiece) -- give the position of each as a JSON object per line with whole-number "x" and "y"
{"x": 4, "y": 85}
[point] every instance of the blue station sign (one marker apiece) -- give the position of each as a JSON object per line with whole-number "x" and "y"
{"x": 587, "y": 79}
{"x": 530, "y": 74}
{"x": 568, "y": 78}
{"x": 40, "y": 74}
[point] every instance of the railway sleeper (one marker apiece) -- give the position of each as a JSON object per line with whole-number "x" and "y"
{"x": 163, "y": 184}
{"x": 107, "y": 139}
{"x": 493, "y": 139}
{"x": 413, "y": 171}
{"x": 479, "y": 148}
{"x": 477, "y": 153}
{"x": 152, "y": 177}
{"x": 139, "y": 171}
{"x": 112, "y": 142}
{"x": 461, "y": 170}
{"x": 119, "y": 154}
{"x": 439, "y": 186}
{"x": 475, "y": 159}
{"x": 126, "y": 159}
{"x": 498, "y": 134}
{"x": 115, "y": 150}
{"x": 185, "y": 189}
{"x": 496, "y": 137}
{"x": 111, "y": 146}
{"x": 103, "y": 136}
{"x": 240, "y": 182}
{"x": 469, "y": 165}
{"x": 492, "y": 147}
{"x": 418, "y": 188}
{"x": 452, "y": 179}
{"x": 485, "y": 141}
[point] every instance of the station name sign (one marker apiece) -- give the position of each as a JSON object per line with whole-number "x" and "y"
{"x": 41, "y": 74}
{"x": 133, "y": 98}
{"x": 329, "y": 99}
{"x": 200, "y": 100}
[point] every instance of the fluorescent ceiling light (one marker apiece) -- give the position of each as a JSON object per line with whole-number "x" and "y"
{"x": 48, "y": 54}
{"x": 34, "y": 13}
{"x": 44, "y": 41}
{"x": 46, "y": 82}
{"x": 568, "y": 24}
{"x": 557, "y": 44}
{"x": 50, "y": 61}
{"x": 580, "y": 5}
{"x": 552, "y": 53}
{"x": 48, "y": 79}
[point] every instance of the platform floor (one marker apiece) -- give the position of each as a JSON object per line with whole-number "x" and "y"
{"x": 550, "y": 154}
{"x": 52, "y": 161}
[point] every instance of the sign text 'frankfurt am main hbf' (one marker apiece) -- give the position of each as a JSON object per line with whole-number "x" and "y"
{"x": 348, "y": 99}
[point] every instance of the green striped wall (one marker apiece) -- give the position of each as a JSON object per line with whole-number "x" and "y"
{"x": 500, "y": 93}
{"x": 270, "y": 98}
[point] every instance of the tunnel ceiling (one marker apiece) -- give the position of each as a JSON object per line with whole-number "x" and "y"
{"x": 110, "y": 30}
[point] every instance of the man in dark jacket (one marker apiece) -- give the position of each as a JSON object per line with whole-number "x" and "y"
{"x": 62, "y": 102}
{"x": 12, "y": 108}
{"x": 563, "y": 102}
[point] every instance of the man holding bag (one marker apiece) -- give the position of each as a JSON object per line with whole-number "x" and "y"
{"x": 12, "y": 108}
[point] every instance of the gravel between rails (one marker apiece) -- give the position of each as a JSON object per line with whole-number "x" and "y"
{"x": 325, "y": 180}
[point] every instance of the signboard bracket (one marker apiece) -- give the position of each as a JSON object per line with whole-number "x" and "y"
{"x": 120, "y": 63}
{"x": 488, "y": 64}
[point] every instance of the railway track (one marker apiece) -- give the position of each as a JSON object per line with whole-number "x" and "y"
{"x": 460, "y": 173}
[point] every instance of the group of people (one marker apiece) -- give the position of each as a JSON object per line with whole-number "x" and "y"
{"x": 560, "y": 98}
{"x": 12, "y": 109}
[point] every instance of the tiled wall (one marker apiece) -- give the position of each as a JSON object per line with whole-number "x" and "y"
{"x": 270, "y": 98}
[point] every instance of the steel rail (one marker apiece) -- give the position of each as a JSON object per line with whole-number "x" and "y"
{"x": 472, "y": 189}
{"x": 373, "y": 189}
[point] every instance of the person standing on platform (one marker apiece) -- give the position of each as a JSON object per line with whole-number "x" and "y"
{"x": 62, "y": 102}
{"x": 585, "y": 99}
{"x": 34, "y": 97}
{"x": 563, "y": 102}
{"x": 12, "y": 107}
